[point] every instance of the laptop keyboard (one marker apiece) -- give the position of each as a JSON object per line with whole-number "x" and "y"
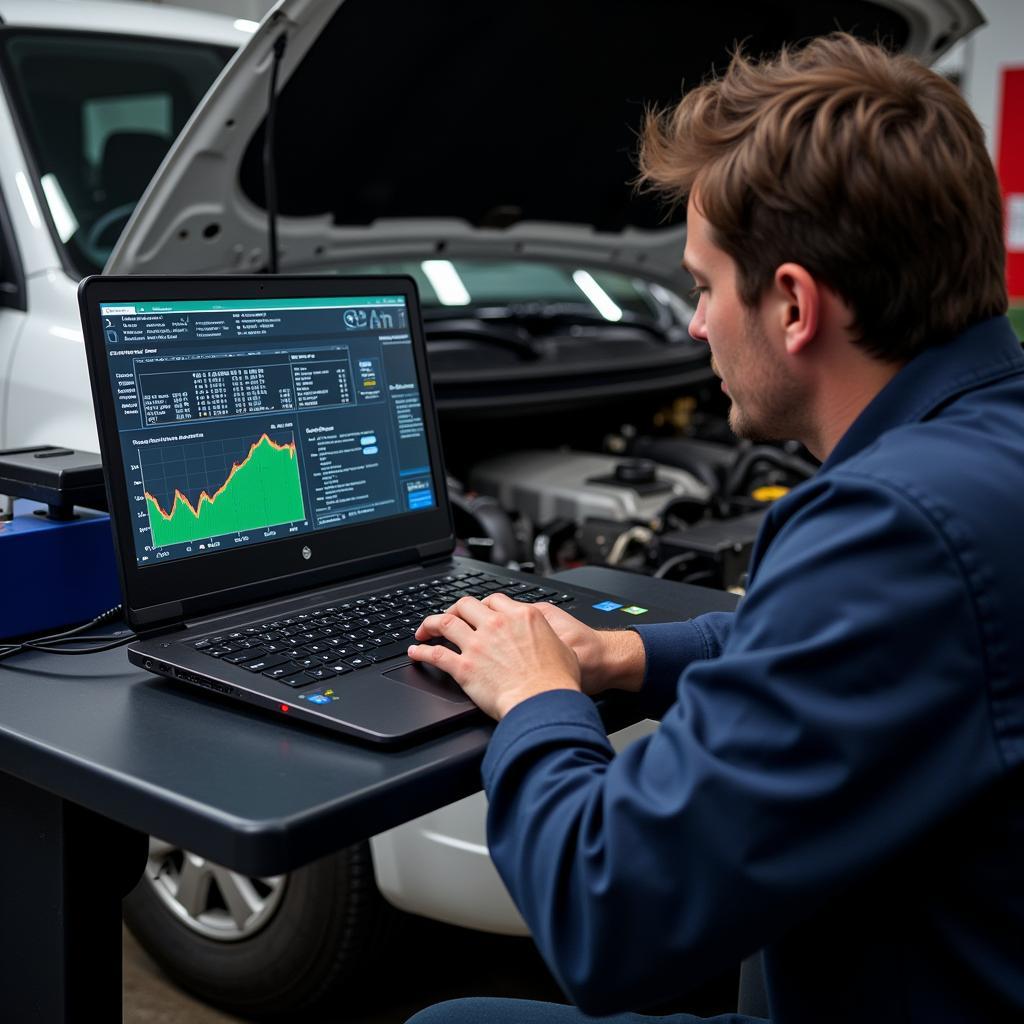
{"x": 325, "y": 643}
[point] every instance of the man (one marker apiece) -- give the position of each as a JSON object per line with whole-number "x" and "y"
{"x": 837, "y": 775}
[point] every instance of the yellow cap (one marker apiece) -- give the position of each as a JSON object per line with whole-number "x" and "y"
{"x": 770, "y": 492}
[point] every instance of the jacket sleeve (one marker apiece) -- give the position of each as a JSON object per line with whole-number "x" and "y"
{"x": 846, "y": 714}
{"x": 669, "y": 647}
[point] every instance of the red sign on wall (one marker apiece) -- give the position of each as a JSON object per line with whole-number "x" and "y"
{"x": 1010, "y": 166}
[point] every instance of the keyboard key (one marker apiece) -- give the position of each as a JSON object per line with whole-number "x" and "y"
{"x": 357, "y": 662}
{"x": 237, "y": 657}
{"x": 301, "y": 679}
{"x": 389, "y": 652}
{"x": 268, "y": 662}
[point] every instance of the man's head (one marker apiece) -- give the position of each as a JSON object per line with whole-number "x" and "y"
{"x": 862, "y": 170}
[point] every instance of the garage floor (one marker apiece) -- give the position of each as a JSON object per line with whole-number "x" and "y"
{"x": 454, "y": 962}
{"x": 435, "y": 962}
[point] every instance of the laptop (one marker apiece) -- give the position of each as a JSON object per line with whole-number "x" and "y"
{"x": 278, "y": 497}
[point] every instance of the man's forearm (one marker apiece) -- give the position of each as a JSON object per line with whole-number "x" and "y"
{"x": 623, "y": 661}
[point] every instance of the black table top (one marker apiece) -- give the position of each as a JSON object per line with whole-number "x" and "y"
{"x": 238, "y": 785}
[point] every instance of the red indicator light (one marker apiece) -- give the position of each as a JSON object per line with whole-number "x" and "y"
{"x": 284, "y": 707}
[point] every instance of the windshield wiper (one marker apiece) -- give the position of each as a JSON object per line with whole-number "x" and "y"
{"x": 471, "y": 328}
{"x": 541, "y": 319}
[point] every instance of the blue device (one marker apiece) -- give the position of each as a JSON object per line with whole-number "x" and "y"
{"x": 56, "y": 573}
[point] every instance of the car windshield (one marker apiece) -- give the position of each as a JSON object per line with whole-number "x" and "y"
{"x": 99, "y": 113}
{"x": 544, "y": 297}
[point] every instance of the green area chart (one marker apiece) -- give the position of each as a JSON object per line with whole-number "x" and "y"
{"x": 262, "y": 490}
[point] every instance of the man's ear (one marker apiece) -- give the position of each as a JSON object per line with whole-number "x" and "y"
{"x": 797, "y": 299}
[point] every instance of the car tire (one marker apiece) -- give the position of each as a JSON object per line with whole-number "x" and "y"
{"x": 322, "y": 930}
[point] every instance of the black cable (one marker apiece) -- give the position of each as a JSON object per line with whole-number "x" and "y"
{"x": 666, "y": 567}
{"x": 45, "y": 644}
{"x": 697, "y": 578}
{"x": 52, "y": 644}
{"x": 95, "y": 649}
{"x": 269, "y": 170}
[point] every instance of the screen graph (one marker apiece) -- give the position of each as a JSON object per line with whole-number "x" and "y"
{"x": 258, "y": 491}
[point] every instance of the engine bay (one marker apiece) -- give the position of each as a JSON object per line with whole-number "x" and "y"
{"x": 671, "y": 494}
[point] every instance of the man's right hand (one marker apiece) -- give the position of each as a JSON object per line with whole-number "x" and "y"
{"x": 608, "y": 659}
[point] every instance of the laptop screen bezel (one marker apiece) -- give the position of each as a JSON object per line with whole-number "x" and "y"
{"x": 178, "y": 588}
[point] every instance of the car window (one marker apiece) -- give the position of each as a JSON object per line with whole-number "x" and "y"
{"x": 12, "y": 279}
{"x": 99, "y": 114}
{"x": 503, "y": 287}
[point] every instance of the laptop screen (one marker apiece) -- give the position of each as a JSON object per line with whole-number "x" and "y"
{"x": 246, "y": 421}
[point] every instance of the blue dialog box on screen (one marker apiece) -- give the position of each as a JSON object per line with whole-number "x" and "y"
{"x": 419, "y": 493}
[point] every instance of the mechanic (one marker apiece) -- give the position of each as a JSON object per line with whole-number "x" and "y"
{"x": 836, "y": 778}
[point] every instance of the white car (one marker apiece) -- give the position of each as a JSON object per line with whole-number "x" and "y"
{"x": 485, "y": 151}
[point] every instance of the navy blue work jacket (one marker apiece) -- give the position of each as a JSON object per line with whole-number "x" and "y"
{"x": 837, "y": 774}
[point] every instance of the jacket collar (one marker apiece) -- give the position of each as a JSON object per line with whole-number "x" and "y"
{"x": 984, "y": 353}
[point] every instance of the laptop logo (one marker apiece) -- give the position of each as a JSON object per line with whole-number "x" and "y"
{"x": 307, "y": 553}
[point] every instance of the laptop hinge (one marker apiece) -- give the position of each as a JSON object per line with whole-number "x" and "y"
{"x": 434, "y": 553}
{"x": 157, "y": 616}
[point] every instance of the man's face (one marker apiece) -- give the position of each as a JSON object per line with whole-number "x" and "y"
{"x": 767, "y": 401}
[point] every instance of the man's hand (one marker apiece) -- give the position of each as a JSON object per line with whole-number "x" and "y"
{"x": 508, "y": 652}
{"x": 609, "y": 659}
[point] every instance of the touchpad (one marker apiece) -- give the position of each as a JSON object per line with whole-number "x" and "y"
{"x": 430, "y": 680}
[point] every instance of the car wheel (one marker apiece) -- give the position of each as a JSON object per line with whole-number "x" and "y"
{"x": 261, "y": 946}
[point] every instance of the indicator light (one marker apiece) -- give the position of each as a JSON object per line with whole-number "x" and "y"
{"x": 284, "y": 707}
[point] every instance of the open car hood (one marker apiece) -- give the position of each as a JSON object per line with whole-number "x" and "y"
{"x": 408, "y": 130}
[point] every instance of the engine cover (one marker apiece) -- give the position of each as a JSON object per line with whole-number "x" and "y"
{"x": 548, "y": 485}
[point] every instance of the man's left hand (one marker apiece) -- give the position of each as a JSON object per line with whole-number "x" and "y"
{"x": 507, "y": 652}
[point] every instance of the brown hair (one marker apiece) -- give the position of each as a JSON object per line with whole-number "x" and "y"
{"x": 862, "y": 166}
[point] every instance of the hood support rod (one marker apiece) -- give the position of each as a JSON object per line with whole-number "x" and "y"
{"x": 269, "y": 169}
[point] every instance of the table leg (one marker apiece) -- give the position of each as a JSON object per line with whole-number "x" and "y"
{"x": 63, "y": 873}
